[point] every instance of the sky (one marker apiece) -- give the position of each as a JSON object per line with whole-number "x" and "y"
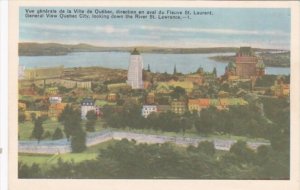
{"x": 256, "y": 27}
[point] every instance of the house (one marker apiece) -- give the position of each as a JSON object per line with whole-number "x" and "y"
{"x": 198, "y": 104}
{"x": 112, "y": 97}
{"x": 55, "y": 99}
{"x": 68, "y": 83}
{"x": 226, "y": 102}
{"x": 84, "y": 84}
{"x": 87, "y": 104}
{"x": 148, "y": 109}
{"x": 55, "y": 110}
{"x": 178, "y": 107}
{"x": 51, "y": 91}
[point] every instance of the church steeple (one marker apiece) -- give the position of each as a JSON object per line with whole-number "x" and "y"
{"x": 135, "y": 52}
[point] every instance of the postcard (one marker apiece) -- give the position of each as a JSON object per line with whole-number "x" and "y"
{"x": 149, "y": 95}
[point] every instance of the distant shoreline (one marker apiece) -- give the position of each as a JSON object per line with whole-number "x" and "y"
{"x": 280, "y": 59}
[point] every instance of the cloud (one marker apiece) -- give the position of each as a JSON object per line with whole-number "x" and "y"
{"x": 213, "y": 30}
{"x": 108, "y": 29}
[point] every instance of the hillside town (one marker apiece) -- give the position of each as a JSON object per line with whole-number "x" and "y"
{"x": 80, "y": 118}
{"x": 47, "y": 91}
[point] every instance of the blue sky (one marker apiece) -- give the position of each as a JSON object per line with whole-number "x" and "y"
{"x": 259, "y": 27}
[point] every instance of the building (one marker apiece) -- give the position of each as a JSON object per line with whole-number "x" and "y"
{"x": 55, "y": 110}
{"x": 222, "y": 103}
{"x": 87, "y": 105}
{"x": 196, "y": 79}
{"x": 245, "y": 61}
{"x": 280, "y": 89}
{"x": 55, "y": 99}
{"x": 84, "y": 84}
{"x": 78, "y": 84}
{"x": 43, "y": 73}
{"x": 178, "y": 107}
{"x": 68, "y": 83}
{"x": 163, "y": 108}
{"x": 116, "y": 87}
{"x": 150, "y": 99}
{"x": 198, "y": 104}
{"x": 167, "y": 87}
{"x": 112, "y": 97}
{"x": 51, "y": 91}
{"x": 226, "y": 102}
{"x": 148, "y": 109}
{"x": 135, "y": 71}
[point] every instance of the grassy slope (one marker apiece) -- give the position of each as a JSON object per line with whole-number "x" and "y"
{"x": 48, "y": 160}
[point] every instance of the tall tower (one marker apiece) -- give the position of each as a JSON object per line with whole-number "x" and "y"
{"x": 246, "y": 62}
{"x": 135, "y": 71}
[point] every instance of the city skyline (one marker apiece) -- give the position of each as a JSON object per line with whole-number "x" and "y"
{"x": 262, "y": 28}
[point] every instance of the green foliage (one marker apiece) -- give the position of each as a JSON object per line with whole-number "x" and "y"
{"x": 78, "y": 140}
{"x": 38, "y": 129}
{"x": 91, "y": 121}
{"x": 25, "y": 171}
{"x": 71, "y": 120}
{"x": 242, "y": 152}
{"x": 129, "y": 160}
{"x": 57, "y": 134}
{"x": 47, "y": 135}
{"x": 21, "y": 116}
{"x": 266, "y": 81}
{"x": 178, "y": 93}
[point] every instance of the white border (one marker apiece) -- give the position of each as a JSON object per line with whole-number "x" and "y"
{"x": 292, "y": 184}
{"x": 3, "y": 95}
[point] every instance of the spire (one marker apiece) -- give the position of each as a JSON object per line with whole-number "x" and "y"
{"x": 175, "y": 71}
{"x": 135, "y": 52}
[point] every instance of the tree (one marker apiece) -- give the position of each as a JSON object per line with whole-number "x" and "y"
{"x": 178, "y": 92}
{"x": 78, "y": 140}
{"x": 33, "y": 116}
{"x": 215, "y": 71}
{"x": 148, "y": 68}
{"x": 57, "y": 134}
{"x": 207, "y": 120}
{"x": 91, "y": 120}
{"x": 243, "y": 152}
{"x": 206, "y": 147}
{"x": 38, "y": 129}
{"x": 175, "y": 70}
{"x": 71, "y": 120}
{"x": 21, "y": 116}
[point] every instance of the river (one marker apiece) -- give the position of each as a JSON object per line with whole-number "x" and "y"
{"x": 185, "y": 63}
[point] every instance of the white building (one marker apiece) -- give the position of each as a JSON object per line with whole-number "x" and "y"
{"x": 55, "y": 99}
{"x": 87, "y": 105}
{"x": 147, "y": 109}
{"x": 135, "y": 71}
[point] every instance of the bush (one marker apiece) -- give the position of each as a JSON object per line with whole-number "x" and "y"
{"x": 57, "y": 134}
